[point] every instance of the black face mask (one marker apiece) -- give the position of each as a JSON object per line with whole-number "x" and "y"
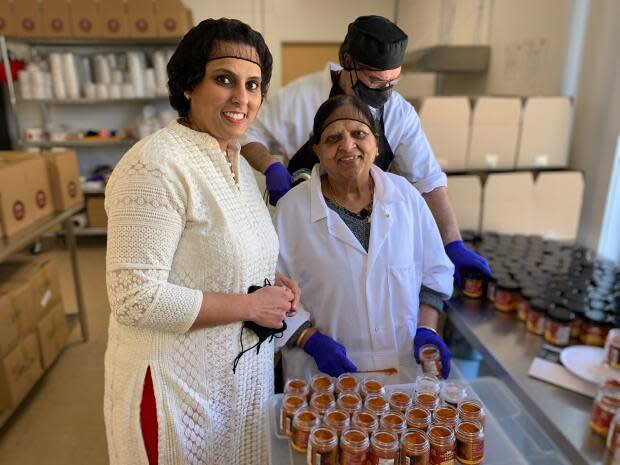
{"x": 376, "y": 98}
{"x": 261, "y": 332}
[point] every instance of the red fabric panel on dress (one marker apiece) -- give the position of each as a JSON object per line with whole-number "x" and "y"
{"x": 148, "y": 418}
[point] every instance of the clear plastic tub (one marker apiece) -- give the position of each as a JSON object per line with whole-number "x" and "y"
{"x": 512, "y": 435}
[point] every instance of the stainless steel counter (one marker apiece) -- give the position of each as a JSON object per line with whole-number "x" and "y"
{"x": 508, "y": 349}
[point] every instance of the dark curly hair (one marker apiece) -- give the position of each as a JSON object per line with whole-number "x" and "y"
{"x": 186, "y": 67}
{"x": 360, "y": 112}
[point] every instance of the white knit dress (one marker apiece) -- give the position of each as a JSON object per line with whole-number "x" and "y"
{"x": 179, "y": 225}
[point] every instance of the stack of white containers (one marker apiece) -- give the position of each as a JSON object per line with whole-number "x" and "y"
{"x": 67, "y": 76}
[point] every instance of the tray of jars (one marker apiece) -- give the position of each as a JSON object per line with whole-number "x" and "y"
{"x": 357, "y": 419}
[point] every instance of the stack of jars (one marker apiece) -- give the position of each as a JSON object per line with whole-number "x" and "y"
{"x": 356, "y": 422}
{"x": 560, "y": 291}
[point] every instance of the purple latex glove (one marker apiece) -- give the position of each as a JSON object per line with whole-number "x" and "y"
{"x": 279, "y": 181}
{"x": 330, "y": 356}
{"x": 464, "y": 258}
{"x": 425, "y": 336}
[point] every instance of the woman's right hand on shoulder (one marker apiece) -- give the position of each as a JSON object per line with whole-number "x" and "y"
{"x": 269, "y": 305}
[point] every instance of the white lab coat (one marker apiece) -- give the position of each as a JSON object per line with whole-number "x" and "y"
{"x": 284, "y": 125}
{"x": 366, "y": 301}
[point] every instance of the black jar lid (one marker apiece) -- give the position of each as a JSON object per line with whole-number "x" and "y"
{"x": 530, "y": 292}
{"x": 539, "y": 305}
{"x": 508, "y": 285}
{"x": 472, "y": 273}
{"x": 560, "y": 314}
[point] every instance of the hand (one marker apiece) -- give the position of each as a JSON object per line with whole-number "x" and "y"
{"x": 330, "y": 356}
{"x": 269, "y": 305}
{"x": 278, "y": 180}
{"x": 464, "y": 258}
{"x": 292, "y": 285}
{"x": 425, "y": 336}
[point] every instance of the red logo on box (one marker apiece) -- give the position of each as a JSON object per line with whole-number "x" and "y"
{"x": 41, "y": 199}
{"x": 113, "y": 25}
{"x": 170, "y": 24}
{"x": 72, "y": 189}
{"x": 57, "y": 24}
{"x": 142, "y": 24}
{"x": 19, "y": 211}
{"x": 85, "y": 25}
{"x": 28, "y": 24}
{"x": 2, "y": 23}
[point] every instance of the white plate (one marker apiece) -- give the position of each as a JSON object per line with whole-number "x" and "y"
{"x": 587, "y": 363}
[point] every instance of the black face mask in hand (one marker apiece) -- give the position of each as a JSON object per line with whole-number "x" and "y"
{"x": 262, "y": 332}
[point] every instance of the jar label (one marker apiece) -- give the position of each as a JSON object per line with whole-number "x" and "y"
{"x": 322, "y": 458}
{"x": 557, "y": 333}
{"x": 470, "y": 452}
{"x": 441, "y": 456}
{"x": 614, "y": 356}
{"x": 472, "y": 287}
{"x": 601, "y": 418}
{"x": 376, "y": 460}
{"x": 353, "y": 458}
{"x": 420, "y": 459}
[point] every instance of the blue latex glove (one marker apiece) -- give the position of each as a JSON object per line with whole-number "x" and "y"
{"x": 425, "y": 336}
{"x": 279, "y": 181}
{"x": 330, "y": 356}
{"x": 464, "y": 258}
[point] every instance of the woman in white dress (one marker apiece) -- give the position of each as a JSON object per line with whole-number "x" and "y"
{"x": 188, "y": 235}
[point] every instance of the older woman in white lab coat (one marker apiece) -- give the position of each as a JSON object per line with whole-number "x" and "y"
{"x": 367, "y": 254}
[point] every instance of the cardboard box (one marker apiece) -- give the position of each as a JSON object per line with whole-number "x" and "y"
{"x": 7, "y": 18}
{"x": 61, "y": 330}
{"x": 465, "y": 194}
{"x": 494, "y": 133}
{"x": 64, "y": 176}
{"x": 545, "y": 133}
{"x": 23, "y": 301}
{"x": 189, "y": 18}
{"x": 9, "y": 325}
{"x": 46, "y": 335}
{"x": 95, "y": 211}
{"x": 171, "y": 18}
{"x": 114, "y": 19}
{"x": 558, "y": 197}
{"x": 141, "y": 18}
{"x": 445, "y": 120}
{"x": 32, "y": 359}
{"x": 85, "y": 20}
{"x": 28, "y": 18}
{"x": 53, "y": 282}
{"x": 15, "y": 211}
{"x": 56, "y": 19}
{"x": 13, "y": 383}
{"x": 508, "y": 203}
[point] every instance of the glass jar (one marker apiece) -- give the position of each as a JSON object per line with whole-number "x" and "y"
{"x": 354, "y": 445}
{"x": 473, "y": 283}
{"x": 290, "y": 404}
{"x": 418, "y": 418}
{"x": 400, "y": 401}
{"x": 536, "y": 317}
{"x": 414, "y": 448}
{"x": 471, "y": 410}
{"x": 613, "y": 436}
{"x": 394, "y": 422}
{"x": 298, "y": 387}
{"x": 428, "y": 400}
{"x": 430, "y": 359}
{"x": 377, "y": 404}
{"x": 443, "y": 445}
{"x": 612, "y": 348}
{"x": 506, "y": 295}
{"x": 322, "y": 401}
{"x": 594, "y": 328}
{"x": 349, "y": 402}
{"x": 365, "y": 420}
{"x": 469, "y": 443}
{"x": 606, "y": 403}
{"x": 346, "y": 383}
{"x": 323, "y": 446}
{"x": 372, "y": 385}
{"x": 322, "y": 383}
{"x": 491, "y": 288}
{"x": 304, "y": 421}
{"x": 523, "y": 306}
{"x": 427, "y": 383}
{"x": 558, "y": 326}
{"x": 452, "y": 392}
{"x": 383, "y": 448}
{"x": 445, "y": 416}
{"x": 337, "y": 419}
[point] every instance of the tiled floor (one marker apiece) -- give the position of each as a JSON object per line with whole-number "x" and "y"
{"x": 61, "y": 421}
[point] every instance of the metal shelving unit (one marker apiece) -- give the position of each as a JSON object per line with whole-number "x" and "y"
{"x": 85, "y": 101}
{"x": 83, "y": 143}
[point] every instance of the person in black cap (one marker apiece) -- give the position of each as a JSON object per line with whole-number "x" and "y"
{"x": 370, "y": 57}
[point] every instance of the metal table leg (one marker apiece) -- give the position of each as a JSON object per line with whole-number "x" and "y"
{"x": 72, "y": 245}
